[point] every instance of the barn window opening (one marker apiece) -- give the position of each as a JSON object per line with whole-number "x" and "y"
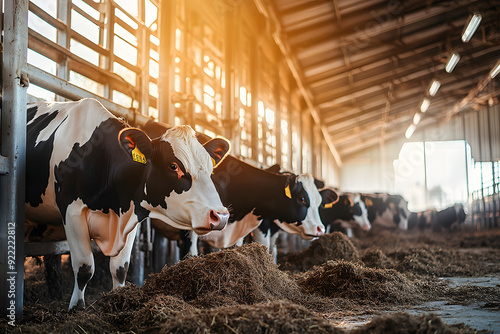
{"x": 446, "y": 185}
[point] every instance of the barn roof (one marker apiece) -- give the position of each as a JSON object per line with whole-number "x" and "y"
{"x": 365, "y": 66}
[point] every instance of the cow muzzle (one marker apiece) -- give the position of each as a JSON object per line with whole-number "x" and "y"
{"x": 218, "y": 220}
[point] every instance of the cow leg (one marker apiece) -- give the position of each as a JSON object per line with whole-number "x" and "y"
{"x": 82, "y": 259}
{"x": 193, "y": 249}
{"x": 118, "y": 265}
{"x": 261, "y": 237}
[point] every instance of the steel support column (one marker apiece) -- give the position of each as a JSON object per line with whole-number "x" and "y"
{"x": 13, "y": 147}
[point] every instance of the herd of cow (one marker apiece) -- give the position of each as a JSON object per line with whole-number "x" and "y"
{"x": 89, "y": 171}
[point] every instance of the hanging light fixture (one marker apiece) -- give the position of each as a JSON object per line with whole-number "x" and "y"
{"x": 495, "y": 70}
{"x": 452, "y": 62}
{"x": 416, "y": 118}
{"x": 425, "y": 105}
{"x": 410, "y": 131}
{"x": 434, "y": 87}
{"x": 471, "y": 26}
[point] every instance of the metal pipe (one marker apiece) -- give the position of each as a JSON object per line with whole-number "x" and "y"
{"x": 12, "y": 184}
{"x": 495, "y": 223}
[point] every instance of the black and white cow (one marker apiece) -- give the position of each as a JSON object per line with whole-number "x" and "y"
{"x": 290, "y": 200}
{"x": 267, "y": 232}
{"x": 445, "y": 219}
{"x": 348, "y": 213}
{"x": 387, "y": 211}
{"x": 87, "y": 169}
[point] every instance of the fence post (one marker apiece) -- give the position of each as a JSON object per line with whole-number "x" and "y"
{"x": 13, "y": 156}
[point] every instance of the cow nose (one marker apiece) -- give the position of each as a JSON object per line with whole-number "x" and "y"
{"x": 217, "y": 220}
{"x": 319, "y": 231}
{"x": 366, "y": 227}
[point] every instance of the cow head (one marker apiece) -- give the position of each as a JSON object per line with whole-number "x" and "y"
{"x": 178, "y": 188}
{"x": 360, "y": 213}
{"x": 309, "y": 196}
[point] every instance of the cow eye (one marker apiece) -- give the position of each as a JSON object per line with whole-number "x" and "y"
{"x": 303, "y": 200}
{"x": 173, "y": 166}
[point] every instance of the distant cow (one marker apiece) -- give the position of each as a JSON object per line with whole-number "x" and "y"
{"x": 387, "y": 211}
{"x": 88, "y": 169}
{"x": 267, "y": 232}
{"x": 438, "y": 220}
{"x": 348, "y": 213}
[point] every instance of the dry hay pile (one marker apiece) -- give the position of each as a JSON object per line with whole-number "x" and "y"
{"x": 349, "y": 280}
{"x": 245, "y": 275}
{"x": 333, "y": 246}
{"x": 273, "y": 317}
{"x": 440, "y": 262}
{"x": 405, "y": 323}
{"x": 375, "y": 258}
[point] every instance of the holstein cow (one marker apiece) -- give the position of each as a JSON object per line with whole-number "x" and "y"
{"x": 348, "y": 213}
{"x": 387, "y": 211}
{"x": 438, "y": 220}
{"x": 252, "y": 194}
{"x": 267, "y": 232}
{"x": 88, "y": 169}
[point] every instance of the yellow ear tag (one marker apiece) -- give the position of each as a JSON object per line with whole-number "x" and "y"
{"x": 287, "y": 192}
{"x": 328, "y": 205}
{"x": 368, "y": 202}
{"x": 138, "y": 156}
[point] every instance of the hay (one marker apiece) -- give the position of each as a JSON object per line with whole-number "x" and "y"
{"x": 343, "y": 279}
{"x": 333, "y": 246}
{"x": 245, "y": 275}
{"x": 377, "y": 259}
{"x": 275, "y": 317}
{"x": 408, "y": 324}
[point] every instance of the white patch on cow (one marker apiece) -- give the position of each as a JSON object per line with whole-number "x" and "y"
{"x": 190, "y": 209}
{"x": 362, "y": 220}
{"x": 311, "y": 226}
{"x": 74, "y": 123}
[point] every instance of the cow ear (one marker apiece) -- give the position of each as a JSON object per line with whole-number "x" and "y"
{"x": 136, "y": 143}
{"x": 328, "y": 198}
{"x": 218, "y": 148}
{"x": 274, "y": 169}
{"x": 319, "y": 184}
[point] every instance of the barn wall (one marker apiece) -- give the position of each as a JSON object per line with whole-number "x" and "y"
{"x": 371, "y": 170}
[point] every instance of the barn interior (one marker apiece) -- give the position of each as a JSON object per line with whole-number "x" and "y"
{"x": 372, "y": 96}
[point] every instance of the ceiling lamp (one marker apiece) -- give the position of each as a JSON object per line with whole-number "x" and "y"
{"x": 434, "y": 87}
{"x": 416, "y": 118}
{"x": 471, "y": 27}
{"x": 495, "y": 70}
{"x": 410, "y": 131}
{"x": 425, "y": 105}
{"x": 452, "y": 62}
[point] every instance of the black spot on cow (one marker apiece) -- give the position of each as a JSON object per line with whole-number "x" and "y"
{"x": 84, "y": 275}
{"x": 99, "y": 172}
{"x": 121, "y": 272}
{"x": 37, "y": 162}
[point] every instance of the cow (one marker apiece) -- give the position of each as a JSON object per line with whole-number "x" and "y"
{"x": 91, "y": 172}
{"x": 387, "y": 211}
{"x": 267, "y": 232}
{"x": 348, "y": 213}
{"x": 253, "y": 194}
{"x": 438, "y": 220}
